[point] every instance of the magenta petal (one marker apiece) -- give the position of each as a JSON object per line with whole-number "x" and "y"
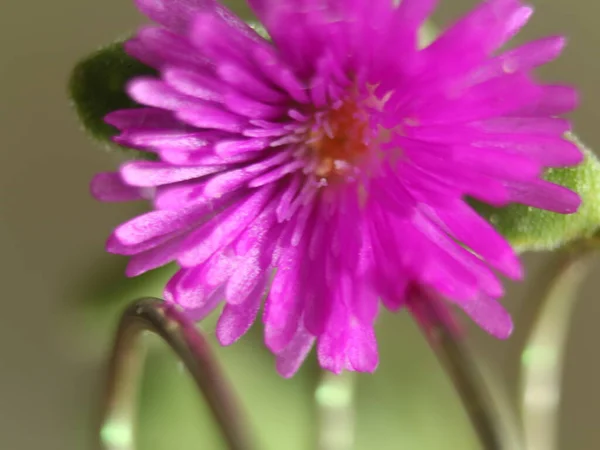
{"x": 365, "y": 302}
{"x": 212, "y": 301}
{"x": 481, "y": 32}
{"x": 525, "y": 125}
{"x": 114, "y": 245}
{"x": 393, "y": 295}
{"x": 236, "y": 320}
{"x": 477, "y": 234}
{"x": 276, "y": 174}
{"x": 153, "y": 258}
{"x": 284, "y": 303}
{"x": 197, "y": 85}
{"x": 487, "y": 279}
{"x": 196, "y": 158}
{"x": 291, "y": 358}
{"x": 235, "y": 179}
{"x": 490, "y": 315}
{"x": 175, "y": 14}
{"x": 533, "y": 54}
{"x": 498, "y": 163}
{"x": 142, "y": 118}
{"x": 249, "y": 84}
{"x": 188, "y": 297}
{"x": 109, "y": 187}
{"x": 180, "y": 196}
{"x": 156, "y": 223}
{"x": 249, "y": 275}
{"x": 221, "y": 232}
{"x": 260, "y": 6}
{"x": 280, "y": 75}
{"x": 548, "y": 151}
{"x": 227, "y": 148}
{"x": 135, "y": 48}
{"x": 554, "y": 100}
{"x": 210, "y": 117}
{"x": 416, "y": 11}
{"x": 285, "y": 202}
{"x": 156, "y": 93}
{"x": 217, "y": 270}
{"x": 331, "y": 351}
{"x": 160, "y": 48}
{"x": 255, "y": 109}
{"x": 223, "y": 37}
{"x": 186, "y": 288}
{"x": 226, "y": 182}
{"x": 362, "y": 348}
{"x": 334, "y": 341}
{"x": 173, "y": 140}
{"x": 545, "y": 195}
{"x": 150, "y": 174}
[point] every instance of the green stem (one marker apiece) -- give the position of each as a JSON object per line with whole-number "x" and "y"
{"x": 155, "y": 316}
{"x": 336, "y": 411}
{"x": 542, "y": 358}
{"x": 495, "y": 422}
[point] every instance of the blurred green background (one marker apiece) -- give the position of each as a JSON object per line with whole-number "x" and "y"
{"x": 62, "y": 294}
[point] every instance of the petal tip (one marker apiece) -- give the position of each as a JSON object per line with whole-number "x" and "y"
{"x": 113, "y": 244}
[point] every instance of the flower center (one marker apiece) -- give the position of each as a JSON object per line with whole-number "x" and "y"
{"x": 339, "y": 139}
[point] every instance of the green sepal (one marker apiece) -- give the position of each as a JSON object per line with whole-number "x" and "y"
{"x": 260, "y": 30}
{"x": 528, "y": 228}
{"x": 97, "y": 87}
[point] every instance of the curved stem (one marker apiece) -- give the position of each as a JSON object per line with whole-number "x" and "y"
{"x": 335, "y": 409}
{"x": 153, "y": 315}
{"x": 495, "y": 422}
{"x": 542, "y": 359}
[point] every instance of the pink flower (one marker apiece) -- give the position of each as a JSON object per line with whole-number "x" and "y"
{"x": 325, "y": 172}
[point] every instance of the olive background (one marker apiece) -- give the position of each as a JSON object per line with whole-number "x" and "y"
{"x": 62, "y": 293}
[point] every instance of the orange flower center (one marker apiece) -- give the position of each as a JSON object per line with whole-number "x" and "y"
{"x": 340, "y": 140}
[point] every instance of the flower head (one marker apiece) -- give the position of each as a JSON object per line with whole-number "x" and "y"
{"x": 326, "y": 170}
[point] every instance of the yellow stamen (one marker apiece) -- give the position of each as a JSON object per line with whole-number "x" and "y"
{"x": 338, "y": 147}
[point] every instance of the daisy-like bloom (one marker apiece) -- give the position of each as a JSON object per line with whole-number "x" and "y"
{"x": 323, "y": 172}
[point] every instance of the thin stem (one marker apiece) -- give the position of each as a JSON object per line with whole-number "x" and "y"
{"x": 336, "y": 411}
{"x": 155, "y": 316}
{"x": 542, "y": 359}
{"x": 494, "y": 421}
